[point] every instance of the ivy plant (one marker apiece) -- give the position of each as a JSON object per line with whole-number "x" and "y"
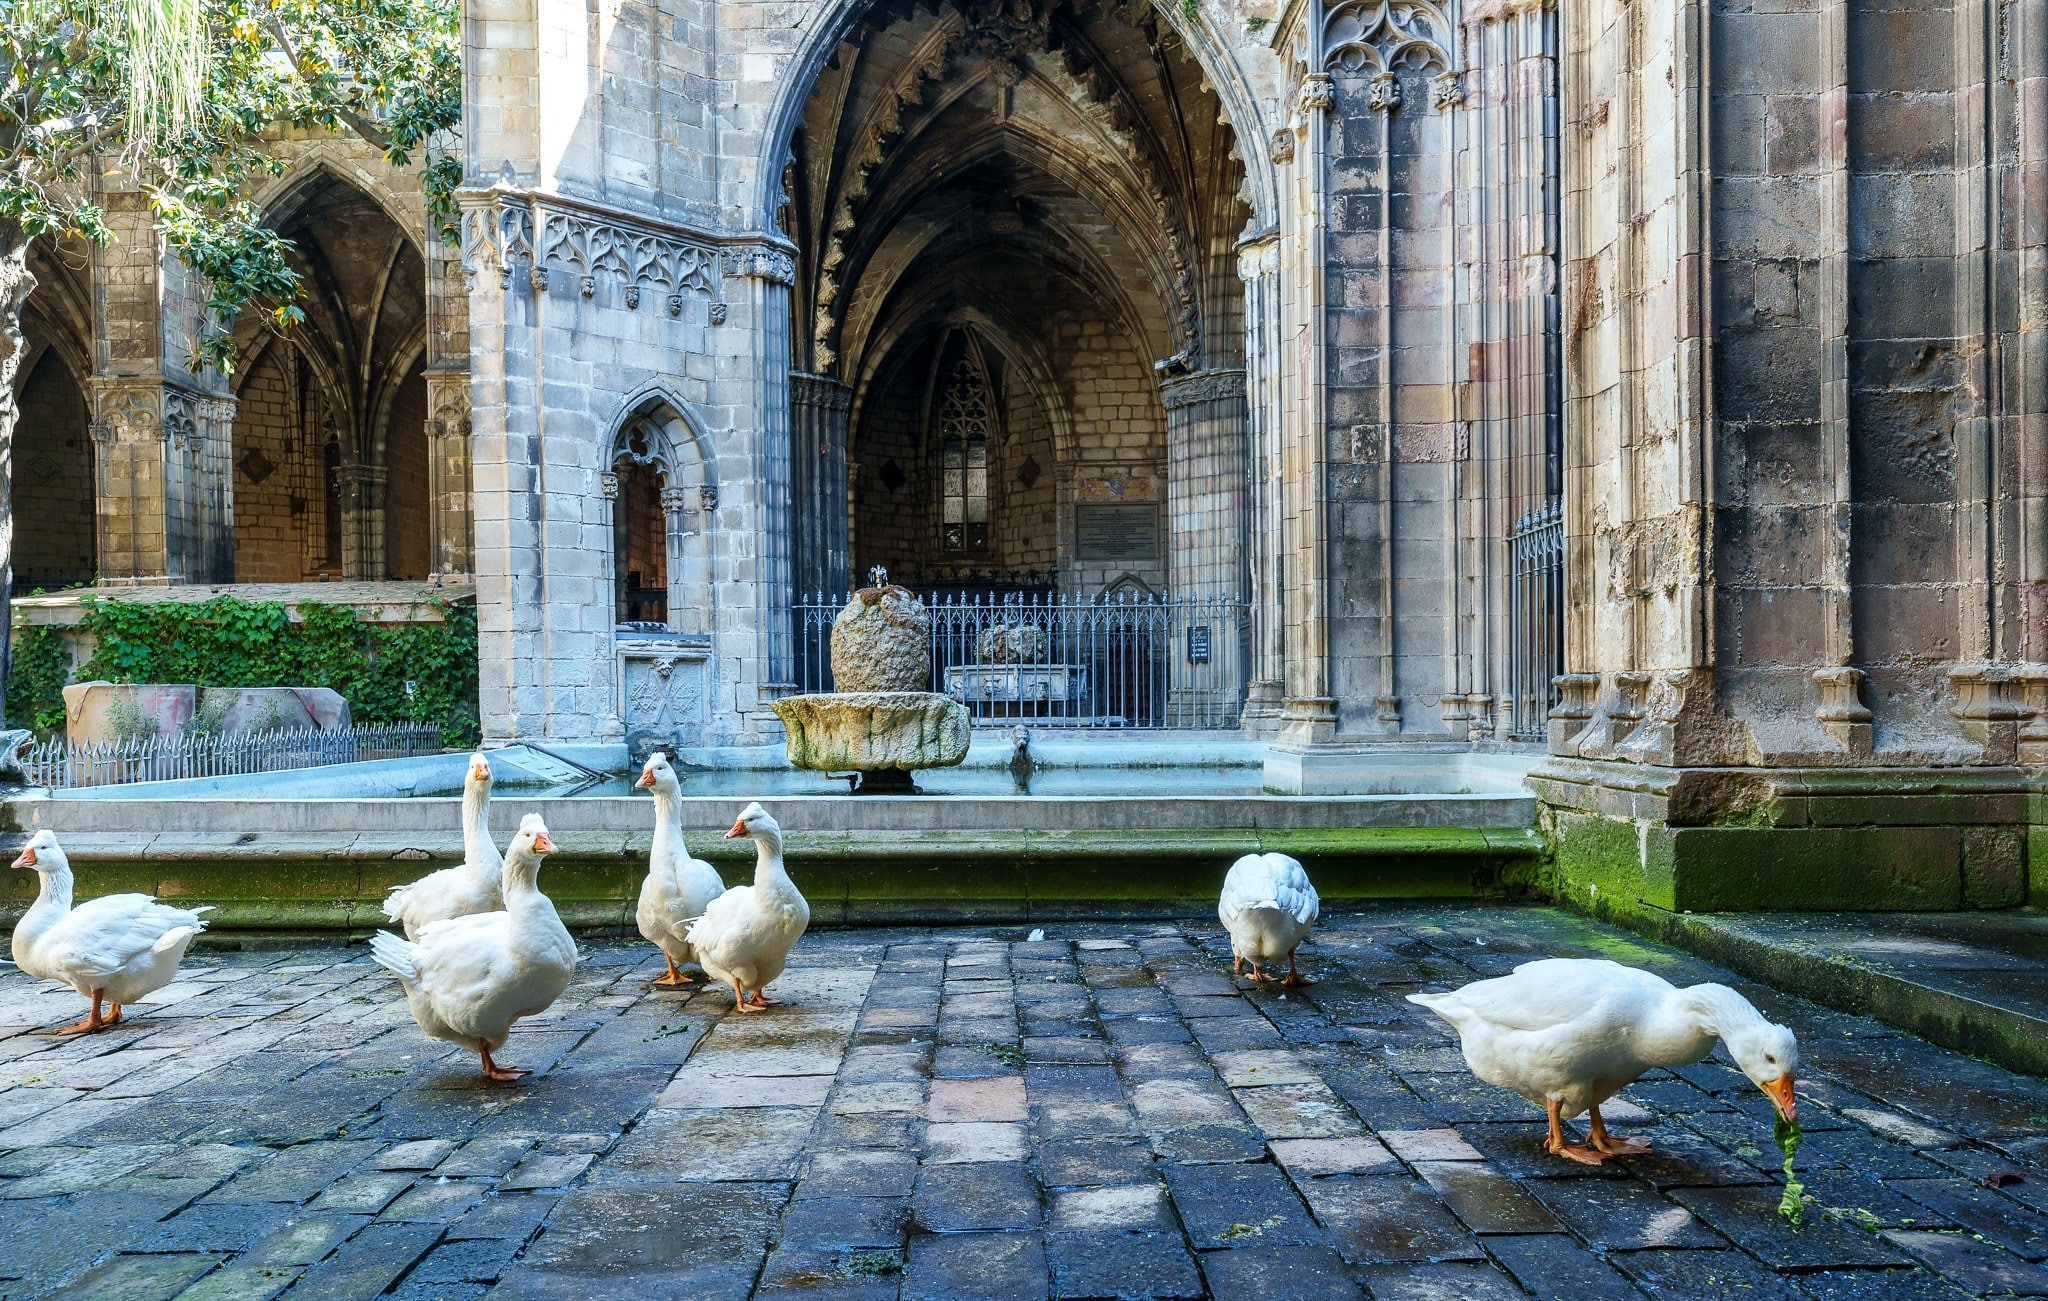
{"x": 388, "y": 673}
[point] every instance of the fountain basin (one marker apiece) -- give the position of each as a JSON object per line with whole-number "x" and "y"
{"x": 875, "y": 731}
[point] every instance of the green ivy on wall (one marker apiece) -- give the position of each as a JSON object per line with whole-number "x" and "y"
{"x": 388, "y": 673}
{"x": 37, "y": 674}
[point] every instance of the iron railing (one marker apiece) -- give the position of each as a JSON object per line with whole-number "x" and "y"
{"x": 1535, "y": 616}
{"x": 167, "y": 758}
{"x": 1129, "y": 660}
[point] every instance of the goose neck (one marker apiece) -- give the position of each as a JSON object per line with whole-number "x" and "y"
{"x": 477, "y": 846}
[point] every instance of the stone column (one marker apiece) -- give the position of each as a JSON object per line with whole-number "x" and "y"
{"x": 1309, "y": 716}
{"x": 160, "y": 428}
{"x": 818, "y": 407}
{"x": 1205, "y": 448}
{"x": 1258, "y": 266}
{"x": 448, "y": 461}
{"x": 768, "y": 275}
{"x": 362, "y": 522}
{"x": 512, "y": 612}
{"x": 165, "y": 511}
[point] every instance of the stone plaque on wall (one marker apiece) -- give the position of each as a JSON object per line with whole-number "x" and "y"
{"x": 1116, "y": 532}
{"x": 664, "y": 686}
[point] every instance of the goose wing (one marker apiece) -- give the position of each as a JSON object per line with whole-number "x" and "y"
{"x": 1268, "y": 881}
{"x": 1551, "y": 993}
{"x": 101, "y": 937}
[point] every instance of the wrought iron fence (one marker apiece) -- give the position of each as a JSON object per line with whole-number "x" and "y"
{"x": 166, "y": 758}
{"x": 1536, "y": 616}
{"x": 1128, "y": 660}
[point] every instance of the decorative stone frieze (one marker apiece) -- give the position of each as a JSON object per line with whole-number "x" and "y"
{"x": 1203, "y": 386}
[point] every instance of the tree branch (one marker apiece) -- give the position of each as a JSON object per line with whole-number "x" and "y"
{"x": 362, "y": 126}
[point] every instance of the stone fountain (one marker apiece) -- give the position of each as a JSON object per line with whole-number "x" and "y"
{"x": 881, "y": 724}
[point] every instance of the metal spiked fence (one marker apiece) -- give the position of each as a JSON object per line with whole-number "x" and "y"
{"x": 55, "y": 763}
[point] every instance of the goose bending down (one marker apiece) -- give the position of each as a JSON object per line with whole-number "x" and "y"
{"x": 472, "y": 887}
{"x": 678, "y": 887}
{"x": 1268, "y": 907}
{"x": 467, "y": 979}
{"x": 745, "y": 935}
{"x": 115, "y": 948}
{"x": 1568, "y": 1033}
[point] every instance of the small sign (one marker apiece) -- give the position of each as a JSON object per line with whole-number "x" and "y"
{"x": 1116, "y": 532}
{"x": 1198, "y": 644}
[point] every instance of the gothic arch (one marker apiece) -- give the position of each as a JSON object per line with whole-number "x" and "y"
{"x": 654, "y": 443}
{"x": 836, "y": 22}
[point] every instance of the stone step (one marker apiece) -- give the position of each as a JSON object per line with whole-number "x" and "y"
{"x": 1976, "y": 982}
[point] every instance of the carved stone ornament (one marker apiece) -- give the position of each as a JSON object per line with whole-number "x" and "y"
{"x": 674, "y": 501}
{"x": 761, "y": 264}
{"x": 1446, "y": 92}
{"x": 1317, "y": 95}
{"x": 608, "y": 484}
{"x": 1382, "y": 35}
{"x": 707, "y": 496}
{"x": 1989, "y": 709}
{"x": 1842, "y": 711}
{"x": 1202, "y": 386}
{"x": 1283, "y": 146}
{"x": 591, "y": 248}
{"x": 1384, "y": 94}
{"x": 497, "y": 234}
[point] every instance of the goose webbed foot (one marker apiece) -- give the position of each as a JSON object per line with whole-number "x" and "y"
{"x": 493, "y": 1071}
{"x": 92, "y": 1022}
{"x": 761, "y": 1000}
{"x": 676, "y": 975}
{"x": 1294, "y": 977}
{"x": 1555, "y": 1144}
{"x": 1600, "y": 1140}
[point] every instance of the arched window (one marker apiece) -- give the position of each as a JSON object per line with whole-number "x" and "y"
{"x": 662, "y": 498}
{"x": 964, "y": 429}
{"x": 640, "y": 529}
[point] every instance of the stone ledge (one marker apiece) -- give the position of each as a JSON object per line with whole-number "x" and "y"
{"x": 311, "y": 885}
{"x": 1959, "y": 1013}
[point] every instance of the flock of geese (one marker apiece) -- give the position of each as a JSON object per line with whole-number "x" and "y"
{"x": 483, "y": 947}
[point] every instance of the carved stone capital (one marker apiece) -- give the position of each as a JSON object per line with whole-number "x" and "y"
{"x": 1202, "y": 386}
{"x": 1317, "y": 94}
{"x": 1568, "y": 717}
{"x": 1841, "y": 710}
{"x": 1989, "y": 709}
{"x": 674, "y": 501}
{"x": 819, "y": 392}
{"x": 771, "y": 264}
{"x": 608, "y": 484}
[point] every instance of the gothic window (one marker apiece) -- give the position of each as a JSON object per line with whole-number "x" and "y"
{"x": 964, "y": 419}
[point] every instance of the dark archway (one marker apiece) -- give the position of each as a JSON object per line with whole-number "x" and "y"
{"x": 55, "y": 497}
{"x": 330, "y": 429}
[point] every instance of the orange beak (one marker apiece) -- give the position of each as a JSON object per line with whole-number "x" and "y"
{"x": 646, "y": 779}
{"x": 1780, "y": 1091}
{"x": 542, "y": 844}
{"x": 480, "y": 772}
{"x": 27, "y": 859}
{"x": 738, "y": 829}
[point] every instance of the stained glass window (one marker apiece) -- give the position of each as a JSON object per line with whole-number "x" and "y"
{"x": 964, "y": 418}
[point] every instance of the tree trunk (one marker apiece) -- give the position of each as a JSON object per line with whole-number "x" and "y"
{"x": 15, "y": 286}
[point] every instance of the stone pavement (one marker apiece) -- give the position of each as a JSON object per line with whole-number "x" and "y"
{"x": 961, "y": 1113}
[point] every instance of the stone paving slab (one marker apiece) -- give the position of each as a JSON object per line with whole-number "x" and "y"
{"x": 962, "y": 1112}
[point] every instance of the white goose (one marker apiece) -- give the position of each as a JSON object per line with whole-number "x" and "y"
{"x": 745, "y": 935}
{"x": 1569, "y": 1033}
{"x": 1268, "y": 907}
{"x": 467, "y": 979}
{"x": 472, "y": 887}
{"x": 678, "y": 887}
{"x": 115, "y": 948}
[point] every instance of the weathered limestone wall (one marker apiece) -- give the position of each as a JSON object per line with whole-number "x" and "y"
{"x": 1804, "y": 407}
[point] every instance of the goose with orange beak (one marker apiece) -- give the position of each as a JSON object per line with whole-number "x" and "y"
{"x": 113, "y": 949}
{"x": 745, "y": 935}
{"x": 471, "y": 887}
{"x": 467, "y": 979}
{"x": 678, "y": 888}
{"x": 1569, "y": 1033}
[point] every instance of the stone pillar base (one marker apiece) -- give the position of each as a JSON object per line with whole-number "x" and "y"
{"x": 1627, "y": 837}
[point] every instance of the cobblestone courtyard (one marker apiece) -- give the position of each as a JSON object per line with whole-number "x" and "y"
{"x": 964, "y": 1113}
